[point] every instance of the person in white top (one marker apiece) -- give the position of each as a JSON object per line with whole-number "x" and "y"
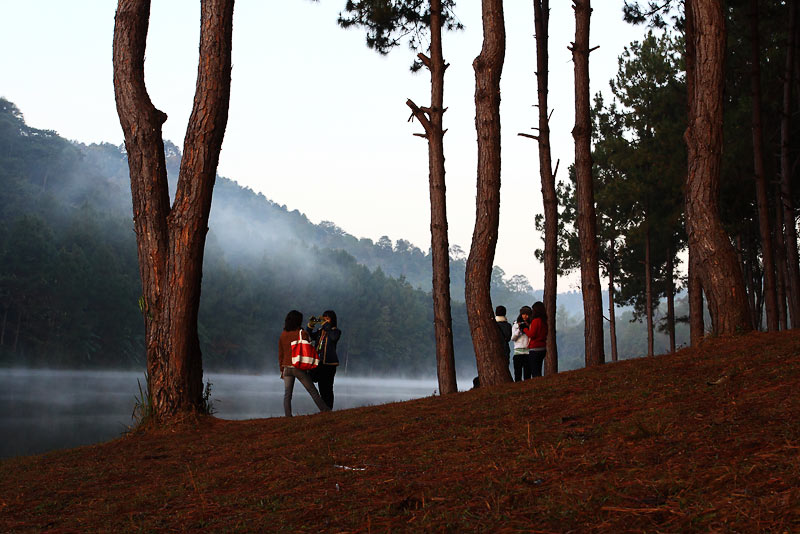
{"x": 522, "y": 361}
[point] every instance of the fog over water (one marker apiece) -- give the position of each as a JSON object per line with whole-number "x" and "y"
{"x": 44, "y": 410}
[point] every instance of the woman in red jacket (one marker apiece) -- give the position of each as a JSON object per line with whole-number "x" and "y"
{"x": 537, "y": 336}
{"x": 292, "y": 331}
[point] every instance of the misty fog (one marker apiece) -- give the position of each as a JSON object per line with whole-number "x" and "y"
{"x": 46, "y": 410}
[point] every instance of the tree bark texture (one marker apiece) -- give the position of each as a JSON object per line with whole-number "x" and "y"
{"x": 648, "y": 285}
{"x": 587, "y": 223}
{"x": 431, "y": 121}
{"x": 780, "y": 261}
{"x": 671, "y": 299}
{"x": 715, "y": 258}
{"x": 488, "y": 66}
{"x": 696, "y": 307}
{"x": 749, "y": 280}
{"x": 793, "y": 268}
{"x": 541, "y": 9}
{"x": 612, "y": 318}
{"x": 697, "y": 325}
{"x": 171, "y": 239}
{"x": 768, "y": 259}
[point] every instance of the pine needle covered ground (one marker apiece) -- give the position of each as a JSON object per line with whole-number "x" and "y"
{"x": 703, "y": 440}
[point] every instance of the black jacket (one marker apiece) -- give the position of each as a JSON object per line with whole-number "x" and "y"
{"x": 325, "y": 339}
{"x": 505, "y": 332}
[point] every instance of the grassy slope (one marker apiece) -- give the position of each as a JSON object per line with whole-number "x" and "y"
{"x": 704, "y": 440}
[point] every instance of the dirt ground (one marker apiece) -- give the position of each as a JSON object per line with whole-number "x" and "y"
{"x": 705, "y": 440}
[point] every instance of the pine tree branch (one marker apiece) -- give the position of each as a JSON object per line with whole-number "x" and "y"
{"x": 422, "y": 117}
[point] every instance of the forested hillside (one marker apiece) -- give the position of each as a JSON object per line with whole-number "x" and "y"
{"x": 69, "y": 282}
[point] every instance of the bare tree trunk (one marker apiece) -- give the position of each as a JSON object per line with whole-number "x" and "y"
{"x": 793, "y": 268}
{"x": 780, "y": 261}
{"x": 716, "y": 261}
{"x": 770, "y": 297}
{"x": 488, "y": 66}
{"x": 671, "y": 298}
{"x": 749, "y": 279}
{"x": 648, "y": 290}
{"x": 171, "y": 240}
{"x": 541, "y": 9}
{"x": 697, "y": 327}
{"x": 431, "y": 120}
{"x": 587, "y": 224}
{"x": 612, "y": 317}
{"x": 696, "y": 319}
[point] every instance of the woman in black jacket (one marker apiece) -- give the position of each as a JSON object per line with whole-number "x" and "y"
{"x": 325, "y": 339}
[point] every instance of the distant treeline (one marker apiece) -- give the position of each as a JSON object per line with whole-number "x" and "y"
{"x": 69, "y": 281}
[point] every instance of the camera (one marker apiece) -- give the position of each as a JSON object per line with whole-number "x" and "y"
{"x": 313, "y": 321}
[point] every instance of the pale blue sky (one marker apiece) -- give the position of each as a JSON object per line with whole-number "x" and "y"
{"x": 318, "y": 121}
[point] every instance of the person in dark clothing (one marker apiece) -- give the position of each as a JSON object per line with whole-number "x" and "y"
{"x": 505, "y": 330}
{"x": 292, "y": 332}
{"x": 325, "y": 339}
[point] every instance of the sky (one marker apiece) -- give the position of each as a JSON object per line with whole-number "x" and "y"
{"x": 318, "y": 122}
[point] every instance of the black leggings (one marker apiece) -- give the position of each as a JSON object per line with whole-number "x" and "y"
{"x": 522, "y": 367}
{"x": 536, "y": 359}
{"x": 323, "y": 375}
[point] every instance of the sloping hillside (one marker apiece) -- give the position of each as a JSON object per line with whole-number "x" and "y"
{"x": 705, "y": 440}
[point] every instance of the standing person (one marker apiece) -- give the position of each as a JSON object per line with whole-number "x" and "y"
{"x": 325, "y": 339}
{"x": 505, "y": 330}
{"x": 522, "y": 360}
{"x": 537, "y": 335}
{"x": 292, "y": 331}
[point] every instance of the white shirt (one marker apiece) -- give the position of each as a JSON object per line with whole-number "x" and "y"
{"x": 520, "y": 339}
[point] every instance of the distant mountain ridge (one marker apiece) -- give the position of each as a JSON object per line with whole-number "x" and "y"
{"x": 69, "y": 281}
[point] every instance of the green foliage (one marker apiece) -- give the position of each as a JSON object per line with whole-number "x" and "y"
{"x": 70, "y": 294}
{"x": 639, "y": 168}
{"x": 143, "y": 411}
{"x": 389, "y": 22}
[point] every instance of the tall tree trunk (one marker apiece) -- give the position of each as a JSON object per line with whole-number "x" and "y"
{"x": 432, "y": 120}
{"x": 770, "y": 296}
{"x": 671, "y": 298}
{"x": 793, "y": 268}
{"x": 541, "y": 9}
{"x": 749, "y": 280}
{"x": 171, "y": 240}
{"x": 488, "y": 66}
{"x": 612, "y": 317}
{"x": 696, "y": 311}
{"x": 648, "y": 289}
{"x": 716, "y": 260}
{"x": 697, "y": 329}
{"x": 587, "y": 224}
{"x": 780, "y": 261}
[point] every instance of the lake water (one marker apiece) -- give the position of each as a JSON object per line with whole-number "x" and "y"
{"x": 45, "y": 410}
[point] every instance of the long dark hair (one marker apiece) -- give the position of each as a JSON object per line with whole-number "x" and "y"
{"x": 332, "y": 315}
{"x": 293, "y": 321}
{"x": 539, "y": 312}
